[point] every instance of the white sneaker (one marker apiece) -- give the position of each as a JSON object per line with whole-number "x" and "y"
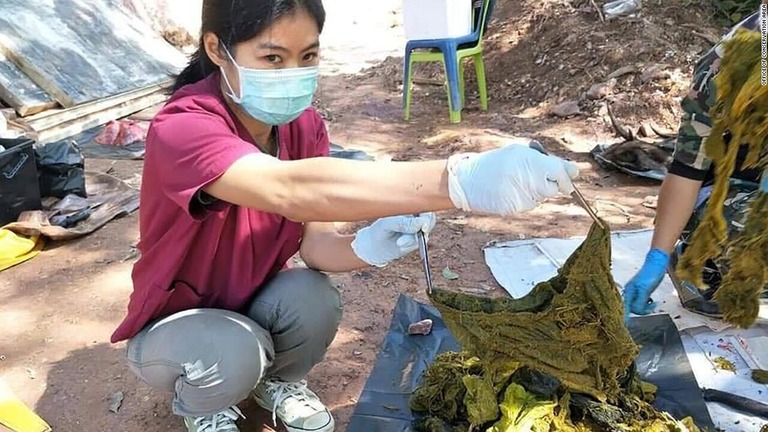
{"x": 297, "y": 406}
{"x": 220, "y": 422}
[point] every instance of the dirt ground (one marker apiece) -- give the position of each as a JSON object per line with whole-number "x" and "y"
{"x": 60, "y": 308}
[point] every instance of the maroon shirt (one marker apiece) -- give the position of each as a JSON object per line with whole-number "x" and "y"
{"x": 215, "y": 256}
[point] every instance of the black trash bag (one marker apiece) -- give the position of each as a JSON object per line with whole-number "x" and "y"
{"x": 18, "y": 179}
{"x": 340, "y": 152}
{"x": 636, "y": 158}
{"x": 61, "y": 169}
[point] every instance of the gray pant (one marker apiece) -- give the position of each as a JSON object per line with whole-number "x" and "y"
{"x": 213, "y": 358}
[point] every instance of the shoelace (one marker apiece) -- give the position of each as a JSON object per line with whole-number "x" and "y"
{"x": 220, "y": 422}
{"x": 282, "y": 390}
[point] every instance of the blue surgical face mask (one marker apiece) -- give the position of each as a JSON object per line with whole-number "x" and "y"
{"x": 274, "y": 96}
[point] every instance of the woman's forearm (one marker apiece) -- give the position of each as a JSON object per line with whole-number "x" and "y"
{"x": 331, "y": 252}
{"x": 332, "y": 189}
{"x": 677, "y": 199}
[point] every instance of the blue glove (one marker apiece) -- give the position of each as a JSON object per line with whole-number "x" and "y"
{"x": 637, "y": 292}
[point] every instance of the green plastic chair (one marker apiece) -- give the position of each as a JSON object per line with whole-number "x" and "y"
{"x": 451, "y": 52}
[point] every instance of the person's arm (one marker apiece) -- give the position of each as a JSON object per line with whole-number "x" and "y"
{"x": 334, "y": 190}
{"x": 677, "y": 199}
{"x": 680, "y": 188}
{"x": 324, "y": 248}
{"x": 690, "y": 164}
{"x": 508, "y": 180}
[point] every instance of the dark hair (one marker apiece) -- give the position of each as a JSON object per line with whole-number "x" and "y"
{"x": 235, "y": 21}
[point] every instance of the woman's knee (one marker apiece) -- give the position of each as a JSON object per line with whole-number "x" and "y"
{"x": 299, "y": 296}
{"x": 323, "y": 306}
{"x": 320, "y": 298}
{"x": 208, "y": 357}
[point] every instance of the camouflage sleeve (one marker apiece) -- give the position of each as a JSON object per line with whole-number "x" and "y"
{"x": 690, "y": 159}
{"x": 695, "y": 123}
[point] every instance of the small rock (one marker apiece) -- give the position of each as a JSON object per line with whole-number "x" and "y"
{"x": 624, "y": 70}
{"x": 423, "y": 327}
{"x": 651, "y": 202}
{"x": 567, "y": 109}
{"x": 696, "y": 49}
{"x": 115, "y": 401}
{"x": 449, "y": 274}
{"x": 599, "y": 91}
{"x": 652, "y": 73}
{"x": 618, "y": 8}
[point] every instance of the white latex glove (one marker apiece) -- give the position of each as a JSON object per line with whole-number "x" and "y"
{"x": 391, "y": 238}
{"x": 507, "y": 180}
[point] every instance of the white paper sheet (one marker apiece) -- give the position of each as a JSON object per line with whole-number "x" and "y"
{"x": 519, "y": 265}
{"x": 539, "y": 267}
{"x": 702, "y": 347}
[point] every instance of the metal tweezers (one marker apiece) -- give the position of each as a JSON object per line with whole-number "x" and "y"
{"x": 576, "y": 194}
{"x": 424, "y": 254}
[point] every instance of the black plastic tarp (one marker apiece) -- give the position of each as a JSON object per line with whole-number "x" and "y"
{"x": 383, "y": 404}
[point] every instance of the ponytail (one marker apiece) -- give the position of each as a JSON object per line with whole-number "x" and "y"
{"x": 198, "y": 68}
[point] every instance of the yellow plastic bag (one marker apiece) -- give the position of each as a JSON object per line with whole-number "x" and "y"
{"x": 15, "y": 248}
{"x": 16, "y": 415}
